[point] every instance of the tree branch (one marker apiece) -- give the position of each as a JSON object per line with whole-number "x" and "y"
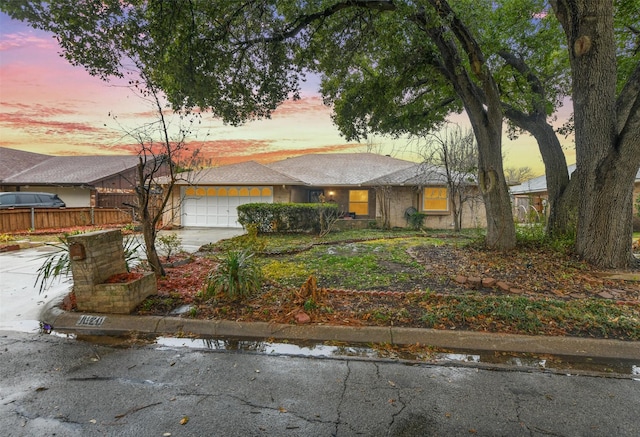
{"x": 534, "y": 82}
{"x": 304, "y": 20}
{"x": 628, "y": 100}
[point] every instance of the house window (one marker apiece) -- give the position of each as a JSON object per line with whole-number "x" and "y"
{"x": 435, "y": 199}
{"x": 359, "y": 202}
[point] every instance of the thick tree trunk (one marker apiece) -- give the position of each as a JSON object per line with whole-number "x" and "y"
{"x": 605, "y": 220}
{"x": 562, "y": 205}
{"x": 149, "y": 235}
{"x": 606, "y": 162}
{"x": 482, "y": 103}
{"x": 563, "y": 201}
{"x": 501, "y": 233}
{"x": 456, "y": 207}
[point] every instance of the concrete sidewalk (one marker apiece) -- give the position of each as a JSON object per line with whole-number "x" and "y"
{"x": 112, "y": 324}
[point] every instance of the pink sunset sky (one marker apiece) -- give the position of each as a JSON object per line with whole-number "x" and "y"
{"x": 48, "y": 106}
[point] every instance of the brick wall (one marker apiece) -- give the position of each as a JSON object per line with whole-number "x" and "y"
{"x": 96, "y": 256}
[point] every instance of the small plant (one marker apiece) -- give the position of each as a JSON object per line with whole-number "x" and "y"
{"x": 55, "y": 265}
{"x": 380, "y": 315}
{"x": 129, "y": 227}
{"x": 236, "y": 276}
{"x": 415, "y": 220}
{"x": 251, "y": 240}
{"x": 131, "y": 248}
{"x": 429, "y": 319}
{"x": 169, "y": 244}
{"x": 327, "y": 218}
{"x": 535, "y": 235}
{"x": 310, "y": 305}
{"x": 531, "y": 235}
{"x": 5, "y": 238}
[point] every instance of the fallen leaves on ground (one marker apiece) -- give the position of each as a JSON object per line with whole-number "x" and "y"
{"x": 553, "y": 290}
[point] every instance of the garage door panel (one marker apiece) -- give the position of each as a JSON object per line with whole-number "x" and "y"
{"x": 217, "y": 206}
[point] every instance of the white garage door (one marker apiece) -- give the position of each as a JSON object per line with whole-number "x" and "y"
{"x": 216, "y": 206}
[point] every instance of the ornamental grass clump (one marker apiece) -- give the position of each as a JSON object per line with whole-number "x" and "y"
{"x": 237, "y": 275}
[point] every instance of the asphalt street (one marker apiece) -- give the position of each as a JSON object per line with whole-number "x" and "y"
{"x": 58, "y": 386}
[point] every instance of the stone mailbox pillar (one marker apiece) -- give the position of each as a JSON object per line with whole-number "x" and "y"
{"x": 96, "y": 257}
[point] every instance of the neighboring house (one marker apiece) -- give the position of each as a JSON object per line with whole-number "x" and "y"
{"x": 532, "y": 195}
{"x": 80, "y": 181}
{"x": 360, "y": 183}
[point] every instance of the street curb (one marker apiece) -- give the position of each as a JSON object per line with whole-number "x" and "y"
{"x": 115, "y": 324}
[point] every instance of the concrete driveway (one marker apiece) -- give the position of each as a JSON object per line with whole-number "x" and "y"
{"x": 20, "y": 301}
{"x": 194, "y": 238}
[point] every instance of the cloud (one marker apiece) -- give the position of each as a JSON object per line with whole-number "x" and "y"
{"x": 36, "y": 110}
{"x": 306, "y": 105}
{"x": 18, "y": 40}
{"x": 43, "y": 126}
{"x": 222, "y": 152}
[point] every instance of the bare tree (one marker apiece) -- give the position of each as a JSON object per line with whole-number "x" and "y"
{"x": 163, "y": 156}
{"x": 518, "y": 175}
{"x": 384, "y": 194}
{"x": 451, "y": 157}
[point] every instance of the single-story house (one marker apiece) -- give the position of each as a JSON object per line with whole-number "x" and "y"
{"x": 80, "y": 181}
{"x": 532, "y": 195}
{"x": 360, "y": 183}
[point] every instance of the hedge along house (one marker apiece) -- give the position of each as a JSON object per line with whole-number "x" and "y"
{"x": 367, "y": 187}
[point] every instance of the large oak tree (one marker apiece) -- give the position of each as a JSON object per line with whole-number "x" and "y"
{"x": 240, "y": 59}
{"x": 607, "y": 127}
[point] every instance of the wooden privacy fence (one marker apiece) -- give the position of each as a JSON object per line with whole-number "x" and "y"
{"x": 21, "y": 220}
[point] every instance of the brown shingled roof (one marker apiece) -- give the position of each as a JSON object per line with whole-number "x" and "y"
{"x": 243, "y": 173}
{"x": 26, "y": 168}
{"x": 417, "y": 175}
{"x": 14, "y": 161}
{"x": 339, "y": 169}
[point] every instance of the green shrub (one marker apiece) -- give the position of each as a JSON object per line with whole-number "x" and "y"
{"x": 286, "y": 217}
{"x": 237, "y": 275}
{"x": 169, "y": 244}
{"x": 535, "y": 235}
{"x": 251, "y": 240}
{"x": 531, "y": 235}
{"x": 415, "y": 220}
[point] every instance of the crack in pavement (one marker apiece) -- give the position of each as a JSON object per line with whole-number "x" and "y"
{"x": 280, "y": 410}
{"x": 342, "y": 395}
{"x": 403, "y": 405}
{"x": 516, "y": 403}
{"x": 399, "y": 400}
{"x": 533, "y": 430}
{"x": 119, "y": 379}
